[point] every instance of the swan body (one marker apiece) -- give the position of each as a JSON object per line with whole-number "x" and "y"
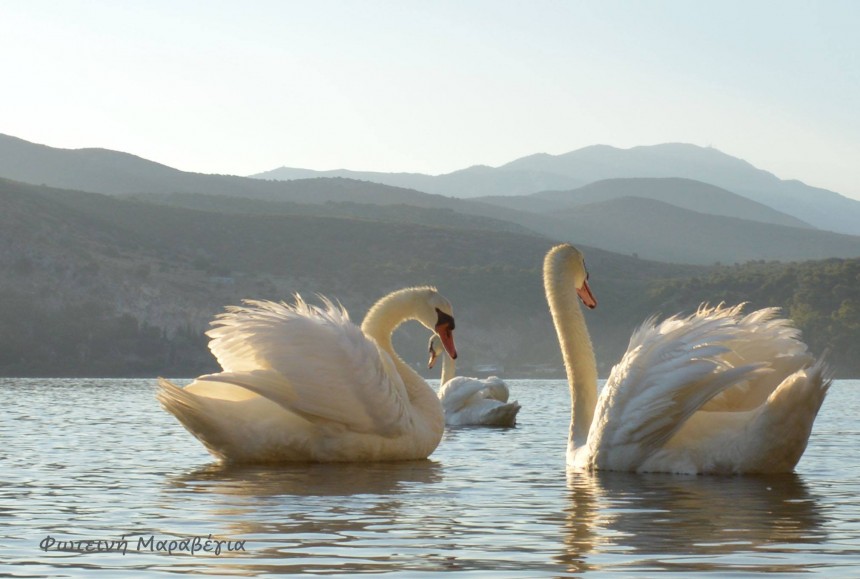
{"x": 472, "y": 401}
{"x": 303, "y": 383}
{"x": 717, "y": 392}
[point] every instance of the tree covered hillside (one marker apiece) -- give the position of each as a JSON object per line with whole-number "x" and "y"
{"x": 97, "y": 285}
{"x": 822, "y": 297}
{"x": 94, "y": 285}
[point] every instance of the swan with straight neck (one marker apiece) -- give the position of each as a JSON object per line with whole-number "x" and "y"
{"x": 716, "y": 392}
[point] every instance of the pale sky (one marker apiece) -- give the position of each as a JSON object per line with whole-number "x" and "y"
{"x": 241, "y": 87}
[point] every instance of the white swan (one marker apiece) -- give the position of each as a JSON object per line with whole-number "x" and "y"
{"x": 472, "y": 401}
{"x": 303, "y": 383}
{"x": 715, "y": 392}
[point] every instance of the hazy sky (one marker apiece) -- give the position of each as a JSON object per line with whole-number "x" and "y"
{"x": 434, "y": 86}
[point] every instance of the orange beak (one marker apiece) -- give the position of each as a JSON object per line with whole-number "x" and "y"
{"x": 586, "y": 296}
{"x": 447, "y": 335}
{"x": 445, "y": 330}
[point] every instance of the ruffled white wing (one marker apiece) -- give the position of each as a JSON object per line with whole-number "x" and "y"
{"x": 457, "y": 392}
{"x": 495, "y": 389}
{"x": 312, "y": 361}
{"x": 761, "y": 336}
{"x": 670, "y": 371}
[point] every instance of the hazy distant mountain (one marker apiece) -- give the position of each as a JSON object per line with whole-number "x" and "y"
{"x": 119, "y": 173}
{"x": 471, "y": 182}
{"x": 113, "y": 173}
{"x": 104, "y": 171}
{"x": 684, "y": 193}
{"x": 818, "y": 207}
{"x": 627, "y": 225}
{"x": 599, "y": 162}
{"x": 97, "y": 170}
{"x": 534, "y": 173}
{"x": 652, "y": 228}
{"x": 417, "y": 181}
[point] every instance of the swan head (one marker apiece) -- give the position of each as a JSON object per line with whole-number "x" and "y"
{"x": 573, "y": 259}
{"x": 437, "y": 314}
{"x": 435, "y": 348}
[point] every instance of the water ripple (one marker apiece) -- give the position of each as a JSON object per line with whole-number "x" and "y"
{"x": 87, "y": 460}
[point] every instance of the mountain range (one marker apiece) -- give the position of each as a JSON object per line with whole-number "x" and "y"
{"x": 819, "y": 207}
{"x": 684, "y": 193}
{"x": 684, "y": 220}
{"x": 175, "y": 268}
{"x": 115, "y": 264}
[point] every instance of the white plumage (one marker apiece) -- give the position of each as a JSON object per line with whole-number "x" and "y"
{"x": 714, "y": 392}
{"x": 303, "y": 383}
{"x": 472, "y": 401}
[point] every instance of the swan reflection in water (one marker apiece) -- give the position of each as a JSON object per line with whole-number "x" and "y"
{"x": 309, "y": 479}
{"x": 296, "y": 518}
{"x": 718, "y": 523}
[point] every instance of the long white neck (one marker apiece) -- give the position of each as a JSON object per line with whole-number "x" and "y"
{"x": 449, "y": 368}
{"x": 380, "y": 322}
{"x": 576, "y": 349}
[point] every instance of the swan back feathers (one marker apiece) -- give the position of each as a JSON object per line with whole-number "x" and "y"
{"x": 246, "y": 337}
{"x": 287, "y": 353}
{"x": 717, "y": 359}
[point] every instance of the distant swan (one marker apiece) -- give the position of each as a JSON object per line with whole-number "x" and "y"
{"x": 472, "y": 401}
{"x": 715, "y": 392}
{"x": 303, "y": 383}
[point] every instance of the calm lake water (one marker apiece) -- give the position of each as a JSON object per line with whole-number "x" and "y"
{"x": 98, "y": 460}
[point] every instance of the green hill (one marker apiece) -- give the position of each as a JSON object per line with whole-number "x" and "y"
{"x": 99, "y": 285}
{"x": 159, "y": 274}
{"x": 822, "y": 297}
{"x": 440, "y": 216}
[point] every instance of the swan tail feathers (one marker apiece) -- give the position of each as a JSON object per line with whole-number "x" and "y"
{"x": 809, "y": 384}
{"x": 192, "y": 412}
{"x": 784, "y": 422}
{"x": 506, "y": 415}
{"x": 485, "y": 413}
{"x": 799, "y": 397}
{"x": 502, "y": 415}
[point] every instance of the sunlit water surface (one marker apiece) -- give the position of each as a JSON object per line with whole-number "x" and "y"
{"x": 90, "y": 460}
